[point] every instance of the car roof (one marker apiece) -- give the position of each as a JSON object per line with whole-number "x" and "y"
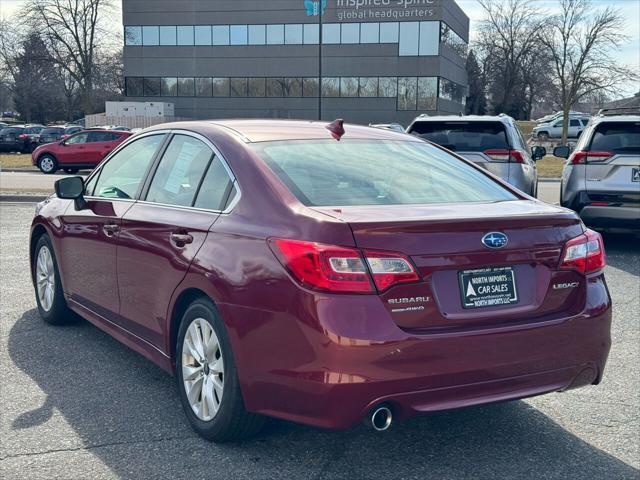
{"x": 268, "y": 130}
{"x": 463, "y": 118}
{"x": 615, "y": 118}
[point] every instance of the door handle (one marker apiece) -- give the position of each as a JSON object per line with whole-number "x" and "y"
{"x": 181, "y": 239}
{"x": 110, "y": 229}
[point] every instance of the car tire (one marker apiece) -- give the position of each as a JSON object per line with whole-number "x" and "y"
{"x": 71, "y": 170}
{"x": 219, "y": 415}
{"x": 50, "y": 300}
{"x": 47, "y": 164}
{"x": 543, "y": 136}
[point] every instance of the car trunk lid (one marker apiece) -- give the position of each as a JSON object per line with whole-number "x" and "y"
{"x": 445, "y": 242}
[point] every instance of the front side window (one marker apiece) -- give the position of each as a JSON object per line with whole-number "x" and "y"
{"x": 77, "y": 139}
{"x": 180, "y": 171}
{"x": 376, "y": 172}
{"x": 123, "y": 173}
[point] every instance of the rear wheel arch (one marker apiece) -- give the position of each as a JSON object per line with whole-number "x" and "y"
{"x": 182, "y": 302}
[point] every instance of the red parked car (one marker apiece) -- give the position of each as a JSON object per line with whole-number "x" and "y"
{"x": 81, "y": 150}
{"x": 290, "y": 269}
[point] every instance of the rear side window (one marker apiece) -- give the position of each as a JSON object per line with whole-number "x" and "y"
{"x": 375, "y": 172}
{"x": 102, "y": 137}
{"x": 12, "y": 131}
{"x": 122, "y": 175}
{"x": 180, "y": 172}
{"x": 216, "y": 187}
{"x": 51, "y": 131}
{"x": 616, "y": 137}
{"x": 464, "y": 136}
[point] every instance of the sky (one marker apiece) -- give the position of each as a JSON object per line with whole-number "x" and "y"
{"x": 628, "y": 54}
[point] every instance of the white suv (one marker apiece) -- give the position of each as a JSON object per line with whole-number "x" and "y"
{"x": 545, "y": 131}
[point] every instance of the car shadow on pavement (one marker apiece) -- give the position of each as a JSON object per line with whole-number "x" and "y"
{"x": 123, "y": 411}
{"x": 618, "y": 246}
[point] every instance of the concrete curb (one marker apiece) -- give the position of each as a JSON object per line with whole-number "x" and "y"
{"x": 22, "y": 198}
{"x": 20, "y": 170}
{"x": 549, "y": 179}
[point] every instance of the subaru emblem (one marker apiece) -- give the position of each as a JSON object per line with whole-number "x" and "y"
{"x": 495, "y": 240}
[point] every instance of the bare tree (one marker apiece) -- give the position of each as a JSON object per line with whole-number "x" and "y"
{"x": 581, "y": 40}
{"x": 74, "y": 32}
{"x": 508, "y": 39}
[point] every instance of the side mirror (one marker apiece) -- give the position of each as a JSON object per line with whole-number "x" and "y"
{"x": 562, "y": 152}
{"x": 71, "y": 188}
{"x": 537, "y": 153}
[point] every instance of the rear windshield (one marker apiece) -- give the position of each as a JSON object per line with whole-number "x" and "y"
{"x": 618, "y": 137}
{"x": 464, "y": 136}
{"x": 54, "y": 131}
{"x": 12, "y": 130}
{"x": 376, "y": 172}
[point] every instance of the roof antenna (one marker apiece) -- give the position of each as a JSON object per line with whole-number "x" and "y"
{"x": 336, "y": 128}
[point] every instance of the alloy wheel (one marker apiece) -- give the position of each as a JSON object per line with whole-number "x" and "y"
{"x": 202, "y": 369}
{"x": 45, "y": 278}
{"x": 46, "y": 164}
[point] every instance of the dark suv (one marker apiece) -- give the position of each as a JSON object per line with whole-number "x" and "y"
{"x": 20, "y": 138}
{"x": 56, "y": 133}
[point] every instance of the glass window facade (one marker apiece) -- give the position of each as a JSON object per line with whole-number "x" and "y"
{"x": 350, "y": 33}
{"x": 452, "y": 40}
{"x": 413, "y": 38}
{"x": 452, "y": 91}
{"x": 370, "y": 33}
{"x": 220, "y": 34}
{"x": 275, "y": 34}
{"x": 238, "y": 35}
{"x": 257, "y": 34}
{"x": 150, "y": 35}
{"x": 293, "y": 34}
{"x": 168, "y": 35}
{"x": 202, "y": 35}
{"x": 185, "y": 35}
{"x": 411, "y": 93}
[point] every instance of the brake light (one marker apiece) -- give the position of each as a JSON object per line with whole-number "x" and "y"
{"x": 513, "y": 156}
{"x": 341, "y": 269}
{"x": 577, "y": 158}
{"x": 23, "y": 136}
{"x": 584, "y": 253}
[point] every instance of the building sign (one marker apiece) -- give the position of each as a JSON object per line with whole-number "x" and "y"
{"x": 385, "y": 10}
{"x": 313, "y": 7}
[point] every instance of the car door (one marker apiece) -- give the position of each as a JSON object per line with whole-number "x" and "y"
{"x": 161, "y": 235}
{"x": 74, "y": 149}
{"x": 99, "y": 145}
{"x": 89, "y": 243}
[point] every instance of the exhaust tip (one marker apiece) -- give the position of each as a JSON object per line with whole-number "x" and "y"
{"x": 381, "y": 418}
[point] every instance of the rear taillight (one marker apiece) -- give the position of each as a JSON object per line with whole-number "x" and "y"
{"x": 584, "y": 253}
{"x": 584, "y": 157}
{"x": 23, "y": 136}
{"x": 341, "y": 269}
{"x": 389, "y": 269}
{"x": 513, "y": 156}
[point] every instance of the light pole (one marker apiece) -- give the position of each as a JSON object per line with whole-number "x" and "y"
{"x": 321, "y": 11}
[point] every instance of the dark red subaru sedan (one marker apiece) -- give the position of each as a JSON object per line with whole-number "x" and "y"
{"x": 298, "y": 270}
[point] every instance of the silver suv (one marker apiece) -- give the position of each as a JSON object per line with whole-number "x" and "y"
{"x": 553, "y": 129}
{"x": 601, "y": 178}
{"x": 494, "y": 143}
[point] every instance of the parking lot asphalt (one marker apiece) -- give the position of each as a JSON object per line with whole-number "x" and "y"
{"x": 28, "y": 181}
{"x": 76, "y": 404}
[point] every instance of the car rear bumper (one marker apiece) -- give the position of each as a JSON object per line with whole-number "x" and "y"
{"x": 332, "y": 380}
{"x": 609, "y": 216}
